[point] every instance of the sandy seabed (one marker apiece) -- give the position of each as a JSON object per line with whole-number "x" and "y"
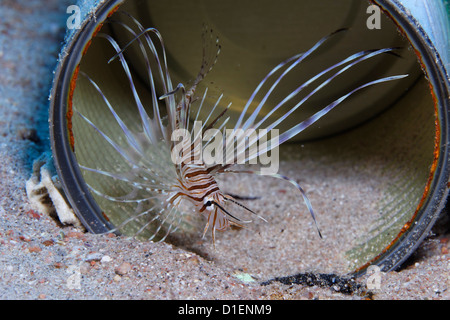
{"x": 41, "y": 259}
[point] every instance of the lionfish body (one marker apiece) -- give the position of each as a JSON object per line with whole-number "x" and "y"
{"x": 200, "y": 188}
{"x": 196, "y": 184}
{"x": 194, "y": 180}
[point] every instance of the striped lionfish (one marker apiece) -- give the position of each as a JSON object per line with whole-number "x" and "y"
{"x": 162, "y": 187}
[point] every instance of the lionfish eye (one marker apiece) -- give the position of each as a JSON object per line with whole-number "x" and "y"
{"x": 208, "y": 203}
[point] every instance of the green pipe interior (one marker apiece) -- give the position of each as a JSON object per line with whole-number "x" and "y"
{"x": 382, "y": 138}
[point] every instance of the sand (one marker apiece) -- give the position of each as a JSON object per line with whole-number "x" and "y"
{"x": 42, "y": 259}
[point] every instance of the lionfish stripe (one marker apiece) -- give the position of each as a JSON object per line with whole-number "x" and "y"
{"x": 198, "y": 178}
{"x": 195, "y": 173}
{"x": 201, "y": 179}
{"x": 205, "y": 185}
{"x": 198, "y": 199}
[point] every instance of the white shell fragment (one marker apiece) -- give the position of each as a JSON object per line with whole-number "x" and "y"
{"x": 45, "y": 192}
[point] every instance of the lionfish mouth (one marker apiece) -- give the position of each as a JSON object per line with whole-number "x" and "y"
{"x": 358, "y": 134}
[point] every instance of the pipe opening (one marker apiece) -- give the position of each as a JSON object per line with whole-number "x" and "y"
{"x": 371, "y": 167}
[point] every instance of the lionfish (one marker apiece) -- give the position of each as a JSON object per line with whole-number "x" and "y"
{"x": 158, "y": 188}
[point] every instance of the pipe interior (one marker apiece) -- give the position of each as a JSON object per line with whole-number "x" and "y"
{"x": 365, "y": 166}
